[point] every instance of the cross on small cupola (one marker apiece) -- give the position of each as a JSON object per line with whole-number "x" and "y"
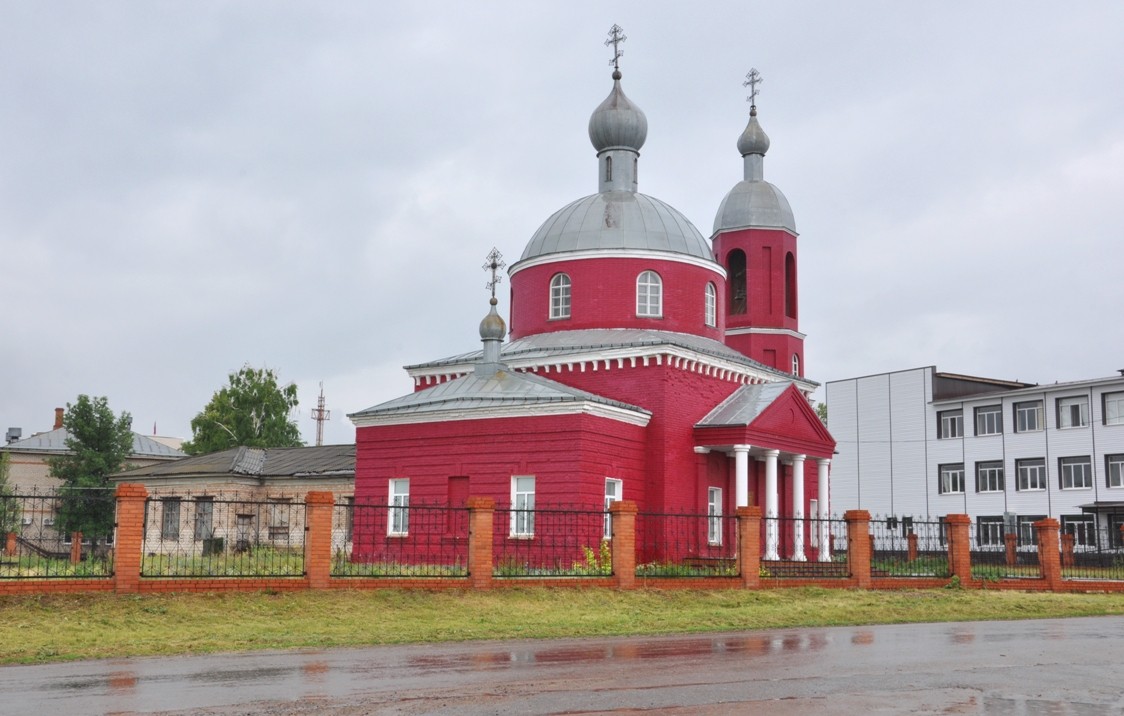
{"x": 616, "y": 37}
{"x": 752, "y": 79}
{"x": 494, "y": 263}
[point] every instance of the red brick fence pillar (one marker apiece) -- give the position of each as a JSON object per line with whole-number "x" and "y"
{"x": 318, "y": 538}
{"x": 858, "y": 546}
{"x": 623, "y": 547}
{"x": 481, "y": 515}
{"x": 749, "y": 546}
{"x": 1049, "y": 558}
{"x": 128, "y": 546}
{"x": 959, "y": 547}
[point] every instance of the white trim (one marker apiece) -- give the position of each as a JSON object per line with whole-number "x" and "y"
{"x": 405, "y": 417}
{"x": 710, "y": 265}
{"x": 766, "y": 332}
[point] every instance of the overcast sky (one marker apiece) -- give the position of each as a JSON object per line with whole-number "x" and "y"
{"x": 312, "y": 187}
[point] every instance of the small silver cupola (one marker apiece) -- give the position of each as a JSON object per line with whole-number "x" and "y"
{"x": 617, "y": 129}
{"x": 754, "y": 142}
{"x": 492, "y": 328}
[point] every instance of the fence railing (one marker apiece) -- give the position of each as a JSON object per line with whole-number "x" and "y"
{"x": 906, "y": 547}
{"x": 804, "y": 548}
{"x": 415, "y": 540}
{"x": 550, "y": 542}
{"x": 41, "y": 537}
{"x": 215, "y": 536}
{"x": 1002, "y": 556}
{"x": 1092, "y": 554}
{"x": 686, "y": 545}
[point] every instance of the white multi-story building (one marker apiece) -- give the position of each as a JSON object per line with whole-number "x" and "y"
{"x": 925, "y": 444}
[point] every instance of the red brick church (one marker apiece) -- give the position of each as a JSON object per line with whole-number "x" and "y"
{"x": 645, "y": 363}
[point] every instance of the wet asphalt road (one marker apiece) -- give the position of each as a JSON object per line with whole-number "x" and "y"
{"x": 1054, "y": 667}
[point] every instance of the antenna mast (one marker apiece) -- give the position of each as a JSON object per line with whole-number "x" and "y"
{"x": 321, "y": 416}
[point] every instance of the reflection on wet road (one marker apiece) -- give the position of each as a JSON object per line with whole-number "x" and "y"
{"x": 1039, "y": 667}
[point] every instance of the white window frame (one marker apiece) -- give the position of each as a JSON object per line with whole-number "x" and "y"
{"x": 950, "y": 424}
{"x": 522, "y": 506}
{"x": 398, "y": 502}
{"x": 1082, "y": 527}
{"x": 989, "y": 476}
{"x": 170, "y": 508}
{"x": 1032, "y": 475}
{"x": 1113, "y": 408}
{"x": 1073, "y": 412}
{"x": 614, "y": 492}
{"x": 560, "y": 296}
{"x": 714, "y": 516}
{"x": 989, "y": 420}
{"x": 1026, "y": 529}
{"x": 989, "y": 530}
{"x": 1028, "y": 416}
{"x": 951, "y": 479}
{"x": 1114, "y": 470}
{"x": 796, "y": 364}
{"x": 1075, "y": 473}
{"x": 711, "y": 305}
{"x": 649, "y": 295}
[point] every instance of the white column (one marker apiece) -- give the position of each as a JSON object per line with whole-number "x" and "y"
{"x": 825, "y": 532}
{"x": 798, "y": 508}
{"x": 771, "y": 527}
{"x": 741, "y": 475}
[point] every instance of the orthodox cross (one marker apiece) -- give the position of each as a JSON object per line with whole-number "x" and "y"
{"x": 616, "y": 37}
{"x": 752, "y": 79}
{"x": 494, "y": 262}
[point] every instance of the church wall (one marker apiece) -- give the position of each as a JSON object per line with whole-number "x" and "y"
{"x": 603, "y": 295}
{"x": 765, "y": 251}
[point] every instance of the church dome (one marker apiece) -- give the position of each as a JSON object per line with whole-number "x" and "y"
{"x": 754, "y": 202}
{"x": 617, "y": 122}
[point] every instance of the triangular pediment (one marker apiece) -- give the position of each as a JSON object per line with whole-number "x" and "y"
{"x": 773, "y": 416}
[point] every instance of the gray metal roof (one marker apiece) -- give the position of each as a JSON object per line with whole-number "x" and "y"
{"x": 504, "y": 388}
{"x": 322, "y": 461}
{"x": 617, "y": 122}
{"x": 754, "y": 203}
{"x": 744, "y": 404}
{"x": 617, "y": 220}
{"x": 55, "y": 441}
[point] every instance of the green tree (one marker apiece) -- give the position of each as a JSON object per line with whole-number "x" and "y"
{"x": 97, "y": 444}
{"x": 9, "y": 506}
{"x": 252, "y": 411}
{"x": 821, "y": 410}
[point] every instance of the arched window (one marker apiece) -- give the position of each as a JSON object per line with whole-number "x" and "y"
{"x": 649, "y": 294}
{"x": 608, "y": 169}
{"x": 560, "y": 296}
{"x": 711, "y": 305}
{"x": 790, "y": 285}
{"x": 796, "y": 364}
{"x": 735, "y": 269}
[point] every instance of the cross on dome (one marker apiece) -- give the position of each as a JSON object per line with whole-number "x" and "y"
{"x": 752, "y": 79}
{"x": 616, "y": 37}
{"x": 494, "y": 262}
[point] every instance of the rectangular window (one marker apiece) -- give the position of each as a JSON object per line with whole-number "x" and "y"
{"x": 951, "y": 479}
{"x": 1031, "y": 473}
{"x": 523, "y": 506}
{"x": 1114, "y": 470}
{"x": 714, "y": 515}
{"x": 989, "y": 476}
{"x": 1073, "y": 412}
{"x": 1082, "y": 527}
{"x": 1075, "y": 473}
{"x": 989, "y": 420}
{"x": 989, "y": 530}
{"x": 613, "y": 491}
{"x": 1026, "y": 529}
{"x": 204, "y": 518}
{"x": 398, "y": 500}
{"x": 279, "y": 508}
{"x": 1113, "y": 408}
{"x": 1028, "y": 416}
{"x": 950, "y": 424}
{"x": 170, "y": 518}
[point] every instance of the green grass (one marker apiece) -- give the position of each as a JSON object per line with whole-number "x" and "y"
{"x": 64, "y": 627}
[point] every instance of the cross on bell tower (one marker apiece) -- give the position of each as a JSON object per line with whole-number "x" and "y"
{"x": 616, "y": 37}
{"x": 752, "y": 79}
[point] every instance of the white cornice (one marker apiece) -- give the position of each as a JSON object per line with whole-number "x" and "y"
{"x": 617, "y": 254}
{"x": 609, "y": 412}
{"x": 766, "y": 331}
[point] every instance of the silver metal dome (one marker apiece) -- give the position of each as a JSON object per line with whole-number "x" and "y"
{"x": 617, "y": 220}
{"x": 617, "y": 122}
{"x": 753, "y": 139}
{"x": 754, "y": 203}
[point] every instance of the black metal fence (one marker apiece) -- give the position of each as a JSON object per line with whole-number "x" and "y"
{"x": 686, "y": 545}
{"x": 998, "y": 555}
{"x": 223, "y": 536}
{"x": 414, "y": 540}
{"x": 907, "y": 547}
{"x": 550, "y": 542}
{"x": 38, "y": 529}
{"x": 1093, "y": 553}
{"x": 804, "y": 548}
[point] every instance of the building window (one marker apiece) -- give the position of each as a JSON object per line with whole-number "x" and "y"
{"x": 1032, "y": 474}
{"x": 790, "y": 285}
{"x": 1073, "y": 412}
{"x": 950, "y": 424}
{"x": 711, "y": 317}
{"x": 523, "y": 506}
{"x": 1114, "y": 470}
{"x": 608, "y": 169}
{"x": 989, "y": 476}
{"x": 1082, "y": 527}
{"x": 714, "y": 515}
{"x": 204, "y": 518}
{"x": 1026, "y": 528}
{"x": 649, "y": 295}
{"x": 279, "y": 508}
{"x": 796, "y": 365}
{"x": 170, "y": 518}
{"x": 613, "y": 491}
{"x": 1114, "y": 408}
{"x": 735, "y": 269}
{"x": 989, "y": 530}
{"x": 560, "y": 296}
{"x": 951, "y": 479}
{"x": 989, "y": 420}
{"x": 399, "y": 502}
{"x": 1075, "y": 473}
{"x": 1028, "y": 416}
